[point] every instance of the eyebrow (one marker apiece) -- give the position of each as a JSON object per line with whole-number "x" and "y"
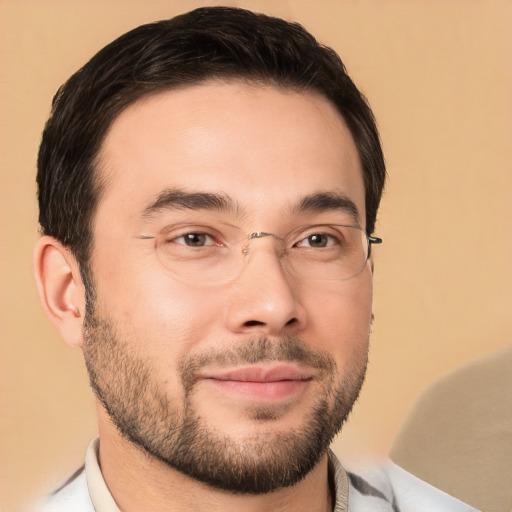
{"x": 177, "y": 199}
{"x": 328, "y": 201}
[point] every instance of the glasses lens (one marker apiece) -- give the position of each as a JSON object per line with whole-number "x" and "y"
{"x": 329, "y": 253}
{"x": 199, "y": 256}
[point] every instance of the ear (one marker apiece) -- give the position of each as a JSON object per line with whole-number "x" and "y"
{"x": 60, "y": 288}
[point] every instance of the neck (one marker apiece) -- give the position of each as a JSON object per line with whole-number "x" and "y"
{"x": 137, "y": 481}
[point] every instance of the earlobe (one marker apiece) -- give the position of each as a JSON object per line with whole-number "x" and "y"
{"x": 60, "y": 288}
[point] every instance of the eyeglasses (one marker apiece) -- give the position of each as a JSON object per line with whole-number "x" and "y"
{"x": 205, "y": 255}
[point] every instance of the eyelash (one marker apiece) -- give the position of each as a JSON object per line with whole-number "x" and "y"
{"x": 191, "y": 233}
{"x": 332, "y": 240}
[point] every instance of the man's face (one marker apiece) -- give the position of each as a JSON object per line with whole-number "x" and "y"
{"x": 238, "y": 378}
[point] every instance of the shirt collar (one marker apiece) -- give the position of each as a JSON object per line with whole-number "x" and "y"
{"x": 338, "y": 477}
{"x": 101, "y": 498}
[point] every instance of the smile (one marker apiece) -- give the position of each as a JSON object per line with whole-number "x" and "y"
{"x": 262, "y": 384}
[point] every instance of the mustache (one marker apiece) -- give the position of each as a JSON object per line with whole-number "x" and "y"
{"x": 257, "y": 350}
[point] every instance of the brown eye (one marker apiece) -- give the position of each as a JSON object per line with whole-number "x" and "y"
{"x": 317, "y": 241}
{"x": 194, "y": 240}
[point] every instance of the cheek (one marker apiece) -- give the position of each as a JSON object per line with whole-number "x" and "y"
{"x": 339, "y": 316}
{"x": 165, "y": 317}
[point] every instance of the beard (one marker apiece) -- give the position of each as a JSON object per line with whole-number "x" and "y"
{"x": 263, "y": 461}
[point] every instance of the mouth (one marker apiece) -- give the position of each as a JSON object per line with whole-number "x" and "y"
{"x": 261, "y": 383}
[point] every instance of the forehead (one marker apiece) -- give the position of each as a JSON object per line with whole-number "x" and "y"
{"x": 260, "y": 145}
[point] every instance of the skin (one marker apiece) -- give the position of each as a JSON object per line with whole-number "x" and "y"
{"x": 266, "y": 149}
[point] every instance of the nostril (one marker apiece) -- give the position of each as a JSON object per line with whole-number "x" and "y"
{"x": 257, "y": 323}
{"x": 253, "y": 323}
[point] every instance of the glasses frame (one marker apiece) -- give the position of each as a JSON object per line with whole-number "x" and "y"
{"x": 371, "y": 240}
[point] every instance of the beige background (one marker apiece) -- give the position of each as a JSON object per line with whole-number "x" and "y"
{"x": 438, "y": 76}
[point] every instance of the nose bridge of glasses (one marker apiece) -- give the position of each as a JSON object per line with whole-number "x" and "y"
{"x": 261, "y": 234}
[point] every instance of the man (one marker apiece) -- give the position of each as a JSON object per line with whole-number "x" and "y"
{"x": 208, "y": 189}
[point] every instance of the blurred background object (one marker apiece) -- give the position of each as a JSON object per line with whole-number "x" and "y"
{"x": 458, "y": 435}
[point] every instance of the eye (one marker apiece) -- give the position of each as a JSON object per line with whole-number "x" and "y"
{"x": 317, "y": 241}
{"x": 194, "y": 239}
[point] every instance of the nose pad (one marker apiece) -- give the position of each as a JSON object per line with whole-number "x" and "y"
{"x": 277, "y": 250}
{"x": 259, "y": 234}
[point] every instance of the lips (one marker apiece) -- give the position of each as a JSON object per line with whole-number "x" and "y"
{"x": 263, "y": 374}
{"x": 261, "y": 383}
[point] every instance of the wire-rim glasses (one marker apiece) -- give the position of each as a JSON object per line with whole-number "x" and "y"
{"x": 206, "y": 254}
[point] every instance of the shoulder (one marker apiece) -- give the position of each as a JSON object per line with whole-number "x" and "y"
{"x": 406, "y": 492}
{"x": 72, "y": 495}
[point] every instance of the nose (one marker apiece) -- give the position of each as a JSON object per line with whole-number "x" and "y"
{"x": 264, "y": 299}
